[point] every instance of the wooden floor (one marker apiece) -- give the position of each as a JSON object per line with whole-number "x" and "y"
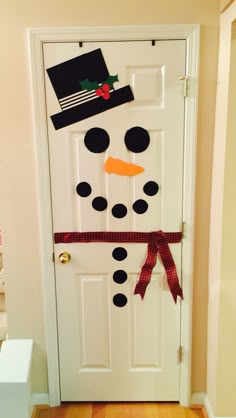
{"x": 118, "y": 410}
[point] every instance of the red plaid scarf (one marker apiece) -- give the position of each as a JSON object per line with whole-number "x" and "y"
{"x": 157, "y": 242}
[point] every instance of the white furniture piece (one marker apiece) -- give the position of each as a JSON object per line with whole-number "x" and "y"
{"x": 15, "y": 367}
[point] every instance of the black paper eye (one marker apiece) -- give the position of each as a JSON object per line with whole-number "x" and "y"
{"x": 97, "y": 140}
{"x": 137, "y": 139}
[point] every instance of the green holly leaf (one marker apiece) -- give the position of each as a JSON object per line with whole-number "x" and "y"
{"x": 88, "y": 85}
{"x": 111, "y": 80}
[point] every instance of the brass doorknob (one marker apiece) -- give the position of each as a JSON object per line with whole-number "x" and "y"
{"x": 64, "y": 257}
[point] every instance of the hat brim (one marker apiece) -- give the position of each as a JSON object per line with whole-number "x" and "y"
{"x": 91, "y": 108}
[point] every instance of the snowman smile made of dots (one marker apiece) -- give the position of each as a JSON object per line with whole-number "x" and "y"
{"x": 136, "y": 140}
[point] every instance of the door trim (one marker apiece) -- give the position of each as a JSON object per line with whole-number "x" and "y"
{"x": 36, "y": 38}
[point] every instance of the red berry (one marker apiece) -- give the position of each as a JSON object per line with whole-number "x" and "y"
{"x": 99, "y": 92}
{"x": 106, "y": 95}
{"x": 106, "y": 87}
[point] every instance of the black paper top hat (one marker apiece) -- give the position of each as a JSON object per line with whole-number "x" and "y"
{"x": 84, "y": 88}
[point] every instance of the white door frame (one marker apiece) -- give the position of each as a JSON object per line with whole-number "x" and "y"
{"x": 36, "y": 38}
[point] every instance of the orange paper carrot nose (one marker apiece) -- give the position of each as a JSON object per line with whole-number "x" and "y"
{"x": 115, "y": 166}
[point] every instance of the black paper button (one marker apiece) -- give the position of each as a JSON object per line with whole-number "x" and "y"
{"x": 120, "y": 276}
{"x": 119, "y": 300}
{"x": 119, "y": 253}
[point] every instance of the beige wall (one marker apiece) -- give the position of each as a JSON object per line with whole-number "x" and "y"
{"x": 221, "y": 379}
{"x": 226, "y": 370}
{"x": 19, "y": 205}
{"x": 224, "y": 4}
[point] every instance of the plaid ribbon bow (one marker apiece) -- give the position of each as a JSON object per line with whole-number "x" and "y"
{"x": 157, "y": 243}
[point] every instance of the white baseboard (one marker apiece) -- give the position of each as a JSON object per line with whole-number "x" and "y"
{"x": 209, "y": 410}
{"x": 198, "y": 398}
{"x": 39, "y": 399}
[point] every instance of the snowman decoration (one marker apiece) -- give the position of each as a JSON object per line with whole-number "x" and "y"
{"x": 88, "y": 91}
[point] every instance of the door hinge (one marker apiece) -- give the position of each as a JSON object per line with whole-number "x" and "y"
{"x": 183, "y": 229}
{"x": 53, "y": 257}
{"x": 180, "y": 353}
{"x": 186, "y": 85}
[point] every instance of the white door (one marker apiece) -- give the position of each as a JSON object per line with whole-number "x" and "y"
{"x": 116, "y": 167}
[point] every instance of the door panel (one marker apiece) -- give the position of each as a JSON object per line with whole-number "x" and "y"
{"x": 114, "y": 345}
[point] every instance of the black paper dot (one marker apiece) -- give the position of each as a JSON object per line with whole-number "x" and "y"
{"x": 119, "y": 211}
{"x": 83, "y": 189}
{"x": 119, "y": 253}
{"x": 97, "y": 140}
{"x": 120, "y": 276}
{"x": 99, "y": 203}
{"x": 151, "y": 188}
{"x": 120, "y": 300}
{"x": 137, "y": 139}
{"x": 140, "y": 206}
